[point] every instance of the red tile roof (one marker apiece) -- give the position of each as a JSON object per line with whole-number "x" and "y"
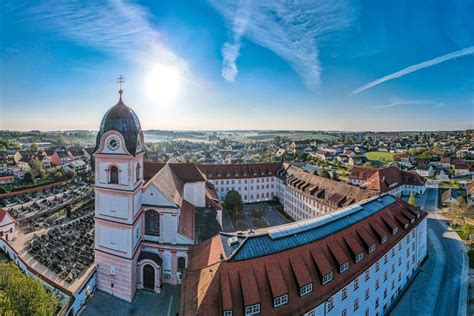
{"x": 385, "y": 179}
{"x": 332, "y": 193}
{"x": 235, "y": 171}
{"x": 186, "y": 220}
{"x": 204, "y": 294}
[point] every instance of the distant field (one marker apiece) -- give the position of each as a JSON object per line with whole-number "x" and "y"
{"x": 290, "y": 135}
{"x": 380, "y": 156}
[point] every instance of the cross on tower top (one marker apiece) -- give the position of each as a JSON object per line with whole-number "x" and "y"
{"x": 120, "y": 80}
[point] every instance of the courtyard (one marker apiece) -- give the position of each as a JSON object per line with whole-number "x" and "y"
{"x": 255, "y": 216}
{"x": 145, "y": 303}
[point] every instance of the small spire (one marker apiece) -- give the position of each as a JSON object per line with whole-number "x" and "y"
{"x": 120, "y": 80}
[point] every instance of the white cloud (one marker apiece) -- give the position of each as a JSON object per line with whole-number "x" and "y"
{"x": 399, "y": 102}
{"x": 292, "y": 30}
{"x": 425, "y": 64}
{"x": 116, "y": 26}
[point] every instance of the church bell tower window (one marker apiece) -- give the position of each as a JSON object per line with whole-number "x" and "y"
{"x": 114, "y": 175}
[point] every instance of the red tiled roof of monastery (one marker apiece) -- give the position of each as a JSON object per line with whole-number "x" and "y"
{"x": 215, "y": 282}
{"x": 235, "y": 171}
{"x": 186, "y": 220}
{"x": 332, "y": 193}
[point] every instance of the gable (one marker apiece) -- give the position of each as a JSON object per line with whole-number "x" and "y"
{"x": 153, "y": 196}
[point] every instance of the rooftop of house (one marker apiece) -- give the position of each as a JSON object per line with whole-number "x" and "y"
{"x": 385, "y": 179}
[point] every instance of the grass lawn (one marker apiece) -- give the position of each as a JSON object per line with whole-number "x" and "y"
{"x": 449, "y": 184}
{"x": 380, "y": 156}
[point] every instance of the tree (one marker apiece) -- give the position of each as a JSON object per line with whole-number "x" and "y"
{"x": 233, "y": 202}
{"x": 2, "y": 189}
{"x": 34, "y": 147}
{"x": 59, "y": 176}
{"x": 412, "y": 200}
{"x": 24, "y": 295}
{"x": 29, "y": 177}
{"x": 323, "y": 173}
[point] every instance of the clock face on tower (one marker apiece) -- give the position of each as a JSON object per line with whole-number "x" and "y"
{"x": 113, "y": 143}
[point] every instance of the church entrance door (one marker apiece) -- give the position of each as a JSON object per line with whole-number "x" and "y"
{"x": 149, "y": 277}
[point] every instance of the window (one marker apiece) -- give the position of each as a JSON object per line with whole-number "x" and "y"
{"x": 399, "y": 261}
{"x": 356, "y": 304}
{"x": 393, "y": 284}
{"x": 367, "y": 275}
{"x": 384, "y": 239}
{"x": 113, "y": 175}
{"x": 367, "y": 294}
{"x": 344, "y": 293}
{"x": 385, "y": 259}
{"x": 377, "y": 284}
{"x": 385, "y": 276}
{"x": 327, "y": 278}
{"x": 252, "y": 309}
{"x": 376, "y": 303}
{"x": 306, "y": 289}
{"x": 356, "y": 284}
{"x": 344, "y": 267}
{"x": 227, "y": 313}
{"x": 400, "y": 245}
{"x": 330, "y": 304}
{"x": 344, "y": 312}
{"x": 377, "y": 266}
{"x": 394, "y": 230}
{"x": 280, "y": 300}
{"x": 181, "y": 264}
{"x": 385, "y": 293}
{"x": 137, "y": 172}
{"x": 393, "y": 268}
{"x": 152, "y": 223}
{"x": 372, "y": 248}
{"x": 359, "y": 257}
{"x": 393, "y": 252}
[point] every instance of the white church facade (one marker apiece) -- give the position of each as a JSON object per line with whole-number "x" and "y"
{"x": 144, "y": 215}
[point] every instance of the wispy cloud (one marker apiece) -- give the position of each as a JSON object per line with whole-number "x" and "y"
{"x": 408, "y": 102}
{"x": 292, "y": 30}
{"x": 116, "y": 26}
{"x": 425, "y": 64}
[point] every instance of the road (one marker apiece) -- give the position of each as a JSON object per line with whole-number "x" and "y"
{"x": 441, "y": 287}
{"x": 452, "y": 294}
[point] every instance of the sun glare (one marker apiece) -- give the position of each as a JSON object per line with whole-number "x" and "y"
{"x": 162, "y": 83}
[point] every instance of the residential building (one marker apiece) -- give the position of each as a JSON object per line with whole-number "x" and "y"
{"x": 7, "y": 225}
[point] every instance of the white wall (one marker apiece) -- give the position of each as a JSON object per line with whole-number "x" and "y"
{"x": 194, "y": 193}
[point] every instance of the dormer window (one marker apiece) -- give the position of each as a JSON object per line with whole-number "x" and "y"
{"x": 359, "y": 257}
{"x": 327, "y": 278}
{"x": 227, "y": 313}
{"x": 394, "y": 230}
{"x": 371, "y": 248}
{"x": 113, "y": 175}
{"x": 306, "y": 289}
{"x": 252, "y": 309}
{"x": 280, "y": 300}
{"x": 344, "y": 267}
{"x": 384, "y": 239}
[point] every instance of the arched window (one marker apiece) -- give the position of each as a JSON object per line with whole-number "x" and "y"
{"x": 181, "y": 264}
{"x": 137, "y": 171}
{"x": 152, "y": 223}
{"x": 114, "y": 175}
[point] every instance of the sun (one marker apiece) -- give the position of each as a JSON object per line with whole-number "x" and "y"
{"x": 162, "y": 83}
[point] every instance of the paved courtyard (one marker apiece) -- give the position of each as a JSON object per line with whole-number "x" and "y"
{"x": 145, "y": 303}
{"x": 254, "y": 216}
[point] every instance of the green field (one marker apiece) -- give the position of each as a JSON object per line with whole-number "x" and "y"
{"x": 290, "y": 135}
{"x": 380, "y": 156}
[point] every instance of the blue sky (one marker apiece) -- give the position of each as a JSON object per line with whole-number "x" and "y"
{"x": 314, "y": 65}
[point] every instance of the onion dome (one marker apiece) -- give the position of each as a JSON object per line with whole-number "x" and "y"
{"x": 122, "y": 119}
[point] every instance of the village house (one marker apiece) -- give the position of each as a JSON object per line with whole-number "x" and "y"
{"x": 7, "y": 225}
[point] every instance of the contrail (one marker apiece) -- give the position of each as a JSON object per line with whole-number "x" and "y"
{"x": 406, "y": 71}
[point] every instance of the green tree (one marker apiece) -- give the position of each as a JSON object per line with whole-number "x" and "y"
{"x": 324, "y": 174}
{"x": 34, "y": 147}
{"x": 59, "y": 176}
{"x": 412, "y": 200}
{"x": 233, "y": 202}
{"x": 29, "y": 177}
{"x": 24, "y": 295}
{"x": 2, "y": 189}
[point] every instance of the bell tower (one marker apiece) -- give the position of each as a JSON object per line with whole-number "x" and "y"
{"x": 118, "y": 197}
